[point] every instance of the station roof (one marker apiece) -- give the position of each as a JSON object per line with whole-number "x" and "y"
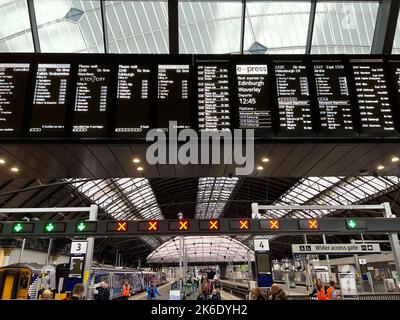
{"x": 142, "y": 198}
{"x": 130, "y": 26}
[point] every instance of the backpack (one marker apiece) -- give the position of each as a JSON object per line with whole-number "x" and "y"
{"x": 151, "y": 293}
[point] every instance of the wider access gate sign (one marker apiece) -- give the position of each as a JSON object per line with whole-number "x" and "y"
{"x": 334, "y": 248}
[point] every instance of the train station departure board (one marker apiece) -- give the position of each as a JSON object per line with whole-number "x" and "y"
{"x": 173, "y": 103}
{"x": 372, "y": 97}
{"x": 321, "y": 98}
{"x": 132, "y": 111}
{"x": 333, "y": 95}
{"x": 213, "y": 96}
{"x": 294, "y": 104}
{"x": 13, "y": 86}
{"x": 91, "y": 100}
{"x": 49, "y": 100}
{"x": 253, "y": 97}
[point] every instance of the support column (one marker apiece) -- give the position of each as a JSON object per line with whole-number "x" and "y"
{"x": 327, "y": 258}
{"x": 393, "y": 238}
{"x": 21, "y": 253}
{"x": 308, "y": 275}
{"x": 49, "y": 251}
{"x": 90, "y": 249}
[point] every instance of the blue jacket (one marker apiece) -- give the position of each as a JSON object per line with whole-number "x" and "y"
{"x": 148, "y": 289}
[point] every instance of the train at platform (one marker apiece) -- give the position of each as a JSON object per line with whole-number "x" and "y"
{"x": 27, "y": 281}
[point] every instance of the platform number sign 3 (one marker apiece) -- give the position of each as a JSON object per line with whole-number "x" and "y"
{"x": 78, "y": 247}
{"x": 261, "y": 245}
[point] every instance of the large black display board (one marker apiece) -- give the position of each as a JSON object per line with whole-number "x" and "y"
{"x": 13, "y": 85}
{"x": 372, "y": 97}
{"x": 123, "y": 96}
{"x": 213, "y": 101}
{"x": 91, "y": 100}
{"x": 173, "y": 101}
{"x": 333, "y": 96}
{"x": 132, "y": 111}
{"x": 294, "y": 101}
{"x": 253, "y": 93}
{"x": 49, "y": 100}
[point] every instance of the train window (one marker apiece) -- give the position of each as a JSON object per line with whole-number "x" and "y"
{"x": 23, "y": 281}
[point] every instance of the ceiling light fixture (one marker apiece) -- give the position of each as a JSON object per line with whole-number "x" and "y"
{"x": 380, "y": 167}
{"x": 260, "y": 168}
{"x": 2, "y": 161}
{"x": 140, "y": 169}
{"x": 265, "y": 160}
{"x": 136, "y": 160}
{"x": 14, "y": 169}
{"x": 395, "y": 159}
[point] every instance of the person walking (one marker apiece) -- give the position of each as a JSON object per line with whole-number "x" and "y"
{"x": 152, "y": 292}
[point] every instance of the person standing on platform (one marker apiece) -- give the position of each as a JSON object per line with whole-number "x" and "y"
{"x": 152, "y": 292}
{"x": 77, "y": 292}
{"x": 277, "y": 293}
{"x": 47, "y": 295}
{"x": 331, "y": 292}
{"x": 320, "y": 290}
{"x": 126, "y": 290}
{"x": 104, "y": 291}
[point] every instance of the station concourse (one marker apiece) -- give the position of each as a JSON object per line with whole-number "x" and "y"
{"x": 199, "y": 150}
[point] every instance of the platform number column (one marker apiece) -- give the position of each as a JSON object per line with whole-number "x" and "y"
{"x": 263, "y": 263}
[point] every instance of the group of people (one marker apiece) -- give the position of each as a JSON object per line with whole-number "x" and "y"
{"x": 323, "y": 293}
{"x": 276, "y": 293}
{"x": 209, "y": 290}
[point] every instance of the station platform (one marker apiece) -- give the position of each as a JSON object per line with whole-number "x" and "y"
{"x": 164, "y": 291}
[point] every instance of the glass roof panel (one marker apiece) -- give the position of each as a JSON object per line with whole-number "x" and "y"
{"x": 344, "y": 27}
{"x": 15, "y": 31}
{"x": 212, "y": 196}
{"x": 279, "y": 26}
{"x": 137, "y": 26}
{"x": 203, "y": 249}
{"x": 396, "y": 43}
{"x": 209, "y": 26}
{"x": 69, "y": 26}
{"x": 331, "y": 191}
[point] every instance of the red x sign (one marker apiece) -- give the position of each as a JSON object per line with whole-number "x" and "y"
{"x": 244, "y": 224}
{"x": 153, "y": 225}
{"x": 214, "y": 225}
{"x": 313, "y": 224}
{"x": 273, "y": 224}
{"x": 183, "y": 225}
{"x": 122, "y": 226}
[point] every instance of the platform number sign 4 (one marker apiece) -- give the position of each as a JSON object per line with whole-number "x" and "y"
{"x": 261, "y": 245}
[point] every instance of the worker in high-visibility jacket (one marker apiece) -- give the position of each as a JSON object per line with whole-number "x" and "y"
{"x": 320, "y": 290}
{"x": 126, "y": 290}
{"x": 331, "y": 292}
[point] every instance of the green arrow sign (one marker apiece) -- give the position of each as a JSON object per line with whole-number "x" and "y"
{"x": 81, "y": 226}
{"x": 49, "y": 227}
{"x": 352, "y": 224}
{"x": 18, "y": 227}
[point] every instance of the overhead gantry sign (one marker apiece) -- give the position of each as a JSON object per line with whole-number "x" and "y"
{"x": 113, "y": 228}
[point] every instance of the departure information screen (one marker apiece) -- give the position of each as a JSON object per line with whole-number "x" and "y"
{"x": 372, "y": 96}
{"x": 133, "y": 104}
{"x": 13, "y": 85}
{"x": 90, "y": 112}
{"x": 333, "y": 95}
{"x": 213, "y": 96}
{"x": 49, "y": 100}
{"x": 293, "y": 92}
{"x": 253, "y": 97}
{"x": 122, "y": 97}
{"x": 173, "y": 102}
